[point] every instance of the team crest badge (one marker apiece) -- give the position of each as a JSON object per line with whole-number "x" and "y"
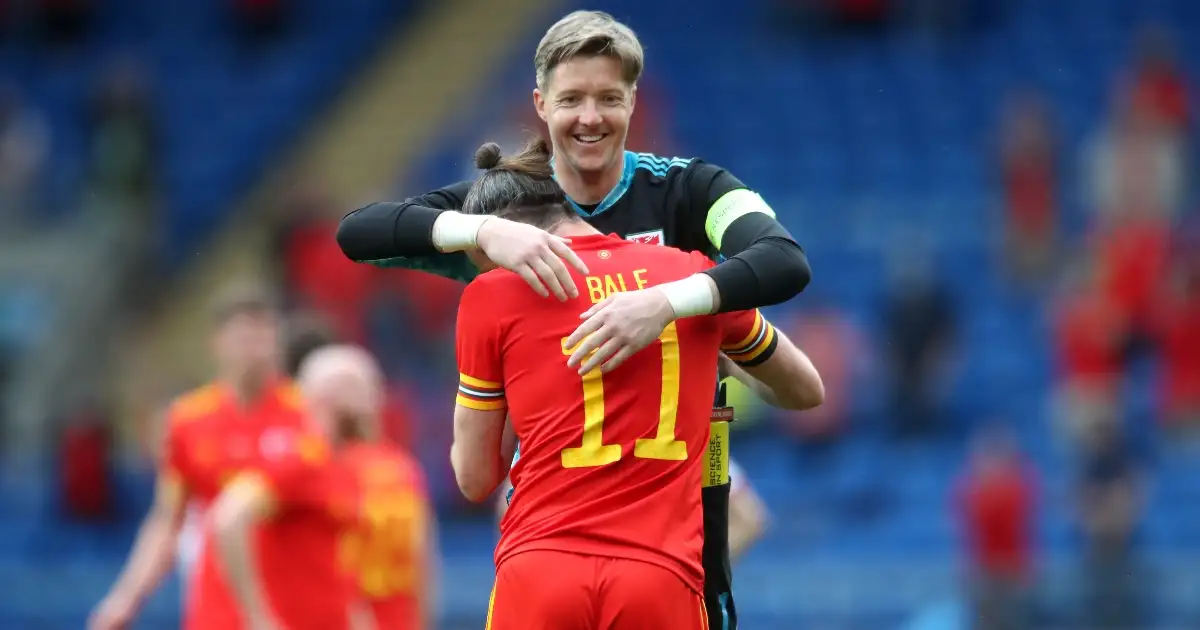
{"x": 653, "y": 237}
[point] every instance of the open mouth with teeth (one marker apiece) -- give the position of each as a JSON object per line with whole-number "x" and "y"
{"x": 589, "y": 138}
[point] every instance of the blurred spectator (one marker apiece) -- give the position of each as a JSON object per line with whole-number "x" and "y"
{"x": 1136, "y": 165}
{"x": 432, "y": 301}
{"x": 1090, "y": 335}
{"x": 1178, "y": 339}
{"x": 124, "y": 150}
{"x": 84, "y": 464}
{"x": 1110, "y": 500}
{"x": 64, "y": 22}
{"x": 920, "y": 325}
{"x": 260, "y": 21}
{"x": 843, "y": 15}
{"x": 24, "y": 143}
{"x": 411, "y": 317}
{"x": 839, "y": 349}
{"x": 996, "y": 507}
{"x": 1029, "y": 168}
{"x": 317, "y": 275}
{"x": 860, "y": 14}
{"x": 1158, "y": 84}
{"x": 1133, "y": 255}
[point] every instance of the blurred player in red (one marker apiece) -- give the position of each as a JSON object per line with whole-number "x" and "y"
{"x": 605, "y": 527}
{"x": 390, "y": 553}
{"x": 365, "y": 503}
{"x": 212, "y": 433}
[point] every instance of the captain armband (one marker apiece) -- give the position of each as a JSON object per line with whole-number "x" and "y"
{"x": 732, "y": 206}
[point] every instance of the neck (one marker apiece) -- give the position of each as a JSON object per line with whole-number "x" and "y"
{"x": 249, "y": 386}
{"x": 572, "y": 227}
{"x": 588, "y": 188}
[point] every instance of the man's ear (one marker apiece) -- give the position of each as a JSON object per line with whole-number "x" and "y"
{"x": 539, "y": 104}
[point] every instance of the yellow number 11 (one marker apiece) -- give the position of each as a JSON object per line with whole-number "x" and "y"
{"x": 593, "y": 451}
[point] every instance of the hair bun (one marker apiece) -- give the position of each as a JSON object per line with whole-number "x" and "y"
{"x": 487, "y": 156}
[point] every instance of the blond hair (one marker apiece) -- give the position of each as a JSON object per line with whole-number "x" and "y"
{"x": 586, "y": 34}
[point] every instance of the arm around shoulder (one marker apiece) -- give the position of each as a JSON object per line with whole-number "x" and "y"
{"x": 387, "y": 229}
{"x": 764, "y": 265}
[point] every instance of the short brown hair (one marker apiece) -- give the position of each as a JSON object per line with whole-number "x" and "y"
{"x": 586, "y": 34}
{"x": 243, "y": 300}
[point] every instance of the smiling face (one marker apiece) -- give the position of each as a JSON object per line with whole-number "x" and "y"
{"x": 586, "y": 105}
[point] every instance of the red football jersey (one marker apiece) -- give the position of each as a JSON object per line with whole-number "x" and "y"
{"x": 609, "y": 465}
{"x": 383, "y": 553}
{"x": 211, "y": 438}
{"x": 297, "y": 548}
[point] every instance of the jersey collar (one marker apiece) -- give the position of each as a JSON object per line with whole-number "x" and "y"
{"x": 595, "y": 241}
{"x": 614, "y": 195}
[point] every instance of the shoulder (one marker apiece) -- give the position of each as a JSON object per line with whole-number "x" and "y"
{"x": 500, "y": 289}
{"x": 693, "y": 180}
{"x": 485, "y": 285}
{"x": 287, "y": 395}
{"x": 197, "y": 404}
{"x": 700, "y": 169}
{"x": 685, "y": 168}
{"x": 659, "y": 166}
{"x": 664, "y": 255}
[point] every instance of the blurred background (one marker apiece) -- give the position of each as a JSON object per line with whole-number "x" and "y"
{"x": 997, "y": 197}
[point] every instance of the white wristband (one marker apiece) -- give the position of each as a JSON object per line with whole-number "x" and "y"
{"x": 690, "y": 296}
{"x": 455, "y": 231}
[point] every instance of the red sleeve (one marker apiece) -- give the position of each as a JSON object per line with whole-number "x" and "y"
{"x": 480, "y": 370}
{"x": 295, "y": 465}
{"x": 173, "y": 461}
{"x": 175, "y": 471}
{"x": 747, "y": 338}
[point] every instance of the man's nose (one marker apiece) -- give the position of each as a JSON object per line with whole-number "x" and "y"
{"x": 590, "y": 115}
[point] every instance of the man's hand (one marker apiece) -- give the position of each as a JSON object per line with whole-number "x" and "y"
{"x": 616, "y": 328}
{"x": 115, "y": 612}
{"x": 534, "y": 254}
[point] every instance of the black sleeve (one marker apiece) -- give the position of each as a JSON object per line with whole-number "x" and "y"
{"x": 389, "y": 229}
{"x": 763, "y": 264}
{"x": 706, "y": 184}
